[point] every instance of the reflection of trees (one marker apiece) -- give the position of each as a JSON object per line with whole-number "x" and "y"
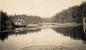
{"x": 72, "y": 32}
{"x": 4, "y": 35}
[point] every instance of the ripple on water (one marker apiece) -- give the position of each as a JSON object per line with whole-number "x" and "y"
{"x": 52, "y": 47}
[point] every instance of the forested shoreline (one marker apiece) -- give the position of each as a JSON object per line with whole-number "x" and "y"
{"x": 72, "y": 14}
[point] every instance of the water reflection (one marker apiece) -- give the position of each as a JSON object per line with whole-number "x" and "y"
{"x": 16, "y": 31}
{"x": 59, "y": 36}
{"x": 76, "y": 33}
{"x": 4, "y": 32}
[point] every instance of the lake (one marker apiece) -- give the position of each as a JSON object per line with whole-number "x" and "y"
{"x": 40, "y": 38}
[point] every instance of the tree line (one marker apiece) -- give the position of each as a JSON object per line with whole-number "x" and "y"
{"x": 5, "y": 21}
{"x": 26, "y": 19}
{"x": 72, "y": 14}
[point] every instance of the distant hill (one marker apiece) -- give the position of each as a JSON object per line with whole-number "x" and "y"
{"x": 73, "y": 14}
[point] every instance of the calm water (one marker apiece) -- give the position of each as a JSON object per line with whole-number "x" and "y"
{"x": 61, "y": 36}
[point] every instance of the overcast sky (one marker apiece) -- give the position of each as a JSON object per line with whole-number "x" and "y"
{"x": 43, "y": 8}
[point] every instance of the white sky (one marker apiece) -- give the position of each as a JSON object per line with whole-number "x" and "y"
{"x": 43, "y": 8}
